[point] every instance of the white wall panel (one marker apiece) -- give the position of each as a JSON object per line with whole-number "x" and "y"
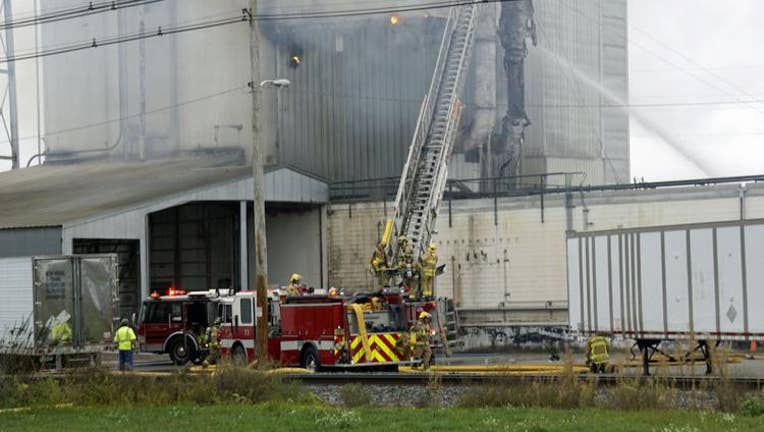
{"x": 602, "y": 284}
{"x": 703, "y": 291}
{"x": 677, "y": 293}
{"x": 754, "y": 259}
{"x": 574, "y": 285}
{"x": 730, "y": 280}
{"x": 615, "y": 280}
{"x": 651, "y": 288}
{"x": 16, "y": 284}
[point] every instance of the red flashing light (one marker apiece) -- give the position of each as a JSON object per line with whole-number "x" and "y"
{"x": 175, "y": 292}
{"x": 154, "y": 295}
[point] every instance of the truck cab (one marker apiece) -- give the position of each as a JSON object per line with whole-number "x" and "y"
{"x": 173, "y": 323}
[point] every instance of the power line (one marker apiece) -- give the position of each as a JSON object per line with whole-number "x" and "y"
{"x": 136, "y": 115}
{"x": 159, "y": 32}
{"x": 92, "y": 8}
{"x": 377, "y": 10}
{"x": 245, "y": 16}
{"x": 696, "y": 76}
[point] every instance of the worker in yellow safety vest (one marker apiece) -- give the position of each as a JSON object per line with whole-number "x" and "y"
{"x": 125, "y": 340}
{"x": 419, "y": 340}
{"x": 378, "y": 264}
{"x": 428, "y": 264}
{"x": 61, "y": 333}
{"x": 295, "y": 286}
{"x": 597, "y": 353}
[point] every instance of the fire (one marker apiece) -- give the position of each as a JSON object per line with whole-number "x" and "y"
{"x": 394, "y": 19}
{"x": 296, "y": 60}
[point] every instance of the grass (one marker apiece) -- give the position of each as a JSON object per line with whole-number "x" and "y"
{"x": 287, "y": 417}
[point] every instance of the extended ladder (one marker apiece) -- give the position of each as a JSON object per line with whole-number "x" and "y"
{"x": 425, "y": 173}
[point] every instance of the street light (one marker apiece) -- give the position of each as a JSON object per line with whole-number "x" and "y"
{"x": 278, "y": 83}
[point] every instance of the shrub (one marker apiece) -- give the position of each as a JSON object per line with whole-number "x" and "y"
{"x": 752, "y": 406}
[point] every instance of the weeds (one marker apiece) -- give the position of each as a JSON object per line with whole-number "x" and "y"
{"x": 98, "y": 387}
{"x": 752, "y": 406}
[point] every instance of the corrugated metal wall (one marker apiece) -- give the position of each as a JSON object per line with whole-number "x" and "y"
{"x": 353, "y": 104}
{"x": 30, "y": 241}
{"x": 580, "y": 64}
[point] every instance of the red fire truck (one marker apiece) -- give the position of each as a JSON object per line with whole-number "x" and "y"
{"x": 321, "y": 331}
{"x": 172, "y": 323}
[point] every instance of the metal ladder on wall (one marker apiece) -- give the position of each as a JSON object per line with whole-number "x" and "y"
{"x": 425, "y": 172}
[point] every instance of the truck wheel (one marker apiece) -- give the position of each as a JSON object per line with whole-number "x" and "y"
{"x": 239, "y": 355}
{"x": 310, "y": 359}
{"x": 181, "y": 353}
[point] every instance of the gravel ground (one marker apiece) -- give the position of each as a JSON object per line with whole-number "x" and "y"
{"x": 396, "y": 395}
{"x": 449, "y": 395}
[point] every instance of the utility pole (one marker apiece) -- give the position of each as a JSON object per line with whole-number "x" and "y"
{"x": 261, "y": 251}
{"x": 10, "y": 72}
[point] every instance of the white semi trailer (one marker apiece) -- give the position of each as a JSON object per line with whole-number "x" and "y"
{"x": 701, "y": 282}
{"x": 77, "y": 293}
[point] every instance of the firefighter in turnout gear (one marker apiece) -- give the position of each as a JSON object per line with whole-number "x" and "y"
{"x": 405, "y": 265}
{"x": 429, "y": 265}
{"x": 210, "y": 339}
{"x": 419, "y": 340}
{"x": 597, "y": 353}
{"x": 379, "y": 264}
{"x": 295, "y": 286}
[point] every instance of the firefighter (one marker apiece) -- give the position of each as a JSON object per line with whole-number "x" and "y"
{"x": 597, "y": 353}
{"x": 125, "y": 340}
{"x": 419, "y": 340}
{"x": 61, "y": 333}
{"x": 405, "y": 265}
{"x": 429, "y": 264}
{"x": 210, "y": 339}
{"x": 295, "y": 286}
{"x": 378, "y": 265}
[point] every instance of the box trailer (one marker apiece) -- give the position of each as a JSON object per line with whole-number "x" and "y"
{"x": 76, "y": 293}
{"x": 700, "y": 282}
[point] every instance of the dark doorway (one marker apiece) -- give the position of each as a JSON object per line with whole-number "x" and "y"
{"x": 195, "y": 247}
{"x": 128, "y": 252}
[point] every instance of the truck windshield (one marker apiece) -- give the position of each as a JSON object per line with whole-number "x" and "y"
{"x": 162, "y": 312}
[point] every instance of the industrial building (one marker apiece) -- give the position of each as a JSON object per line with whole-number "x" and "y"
{"x": 357, "y": 86}
{"x": 148, "y": 143}
{"x": 179, "y": 223}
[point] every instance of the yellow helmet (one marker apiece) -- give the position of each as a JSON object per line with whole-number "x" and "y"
{"x": 432, "y": 247}
{"x": 295, "y": 277}
{"x": 424, "y": 315}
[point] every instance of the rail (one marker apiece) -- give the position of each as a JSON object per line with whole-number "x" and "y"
{"x": 379, "y": 189}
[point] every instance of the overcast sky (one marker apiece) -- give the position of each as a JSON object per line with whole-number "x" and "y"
{"x": 694, "y": 67}
{"x": 691, "y": 56}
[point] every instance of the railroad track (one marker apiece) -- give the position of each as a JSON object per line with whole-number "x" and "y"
{"x": 467, "y": 379}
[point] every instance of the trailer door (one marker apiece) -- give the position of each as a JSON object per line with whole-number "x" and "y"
{"x": 54, "y": 299}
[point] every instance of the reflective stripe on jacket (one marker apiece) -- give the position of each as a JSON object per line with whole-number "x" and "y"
{"x": 429, "y": 264}
{"x": 598, "y": 350}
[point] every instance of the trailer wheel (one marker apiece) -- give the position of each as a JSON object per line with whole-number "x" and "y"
{"x": 239, "y": 355}
{"x": 310, "y": 359}
{"x": 180, "y": 352}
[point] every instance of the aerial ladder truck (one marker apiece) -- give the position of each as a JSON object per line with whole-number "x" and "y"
{"x": 425, "y": 173}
